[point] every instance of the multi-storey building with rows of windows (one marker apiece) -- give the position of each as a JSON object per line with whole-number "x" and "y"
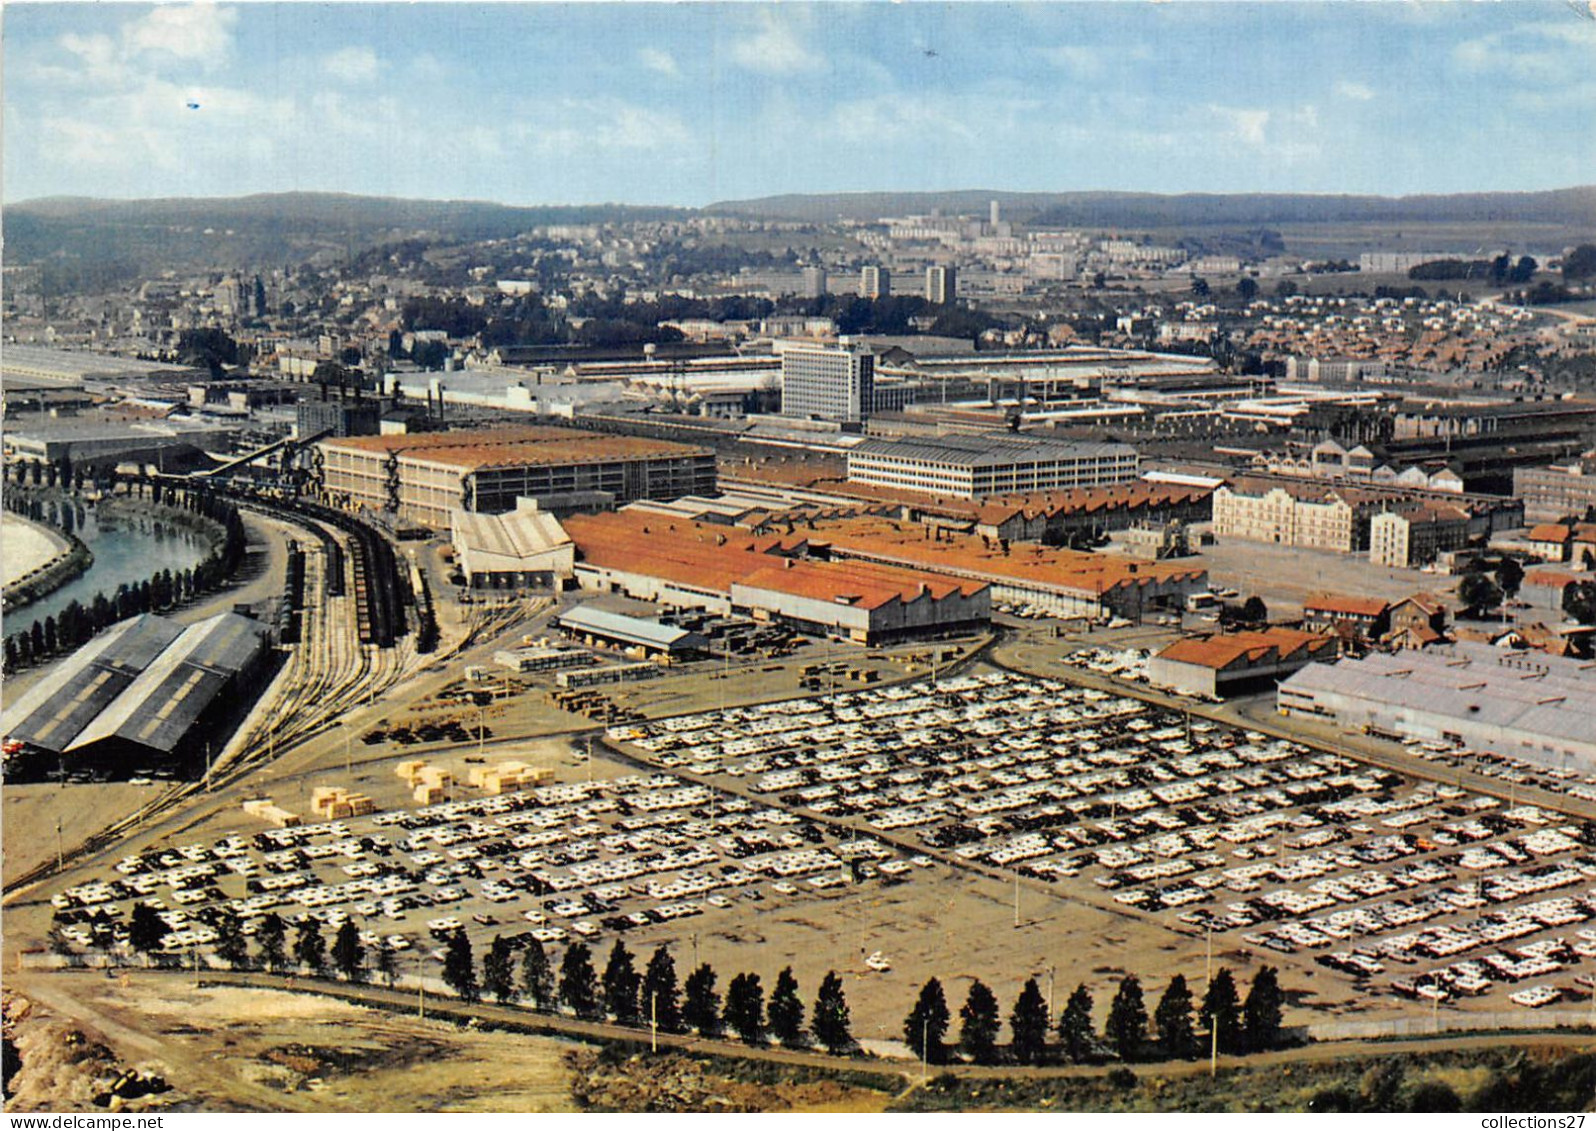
{"x": 975, "y": 467}
{"x": 422, "y": 478}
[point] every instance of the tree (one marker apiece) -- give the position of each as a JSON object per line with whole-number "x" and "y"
{"x": 1579, "y": 601}
{"x": 832, "y": 1024}
{"x": 231, "y": 946}
{"x": 1222, "y": 1009}
{"x": 1477, "y": 592}
{"x": 498, "y": 969}
{"x": 1247, "y": 288}
{"x": 1254, "y": 611}
{"x": 1028, "y": 1025}
{"x": 1126, "y": 1027}
{"x": 272, "y": 937}
{"x": 1509, "y": 577}
{"x": 579, "y": 984}
{"x": 146, "y": 931}
{"x": 701, "y": 1004}
{"x": 1579, "y": 263}
{"x": 925, "y": 1030}
{"x": 787, "y": 1010}
{"x": 621, "y": 984}
{"x": 460, "y": 967}
{"x": 745, "y": 1008}
{"x": 978, "y": 1028}
{"x": 1199, "y": 286}
{"x": 537, "y": 976}
{"x": 661, "y": 996}
{"x": 1075, "y": 1026}
{"x": 1261, "y": 1013}
{"x": 387, "y": 961}
{"x": 348, "y": 955}
{"x": 1172, "y": 1019}
{"x": 310, "y": 949}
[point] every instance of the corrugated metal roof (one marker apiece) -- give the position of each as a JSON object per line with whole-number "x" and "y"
{"x": 519, "y": 534}
{"x": 987, "y": 451}
{"x": 160, "y": 706}
{"x": 1532, "y": 694}
{"x": 635, "y": 630}
{"x": 57, "y": 708}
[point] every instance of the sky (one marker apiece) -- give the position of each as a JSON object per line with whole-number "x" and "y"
{"x": 687, "y": 104}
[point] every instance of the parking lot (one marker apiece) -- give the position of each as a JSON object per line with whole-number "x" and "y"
{"x": 1426, "y": 891}
{"x": 836, "y": 817}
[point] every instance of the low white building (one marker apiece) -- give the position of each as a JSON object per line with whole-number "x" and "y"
{"x": 524, "y": 548}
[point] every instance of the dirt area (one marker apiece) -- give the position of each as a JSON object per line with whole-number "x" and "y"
{"x": 224, "y": 1049}
{"x": 1285, "y": 576}
{"x": 610, "y": 1080}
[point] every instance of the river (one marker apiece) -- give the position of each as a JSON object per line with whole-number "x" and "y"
{"x": 130, "y": 543}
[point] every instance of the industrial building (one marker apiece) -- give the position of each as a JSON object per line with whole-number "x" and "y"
{"x": 423, "y": 478}
{"x": 601, "y": 627}
{"x": 975, "y": 467}
{"x": 1556, "y": 492}
{"x": 526, "y": 547}
{"x": 146, "y": 689}
{"x": 340, "y": 417}
{"x": 771, "y": 577}
{"x": 1526, "y": 705}
{"x": 1214, "y": 667}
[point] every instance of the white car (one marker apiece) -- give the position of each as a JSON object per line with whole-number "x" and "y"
{"x": 878, "y": 962}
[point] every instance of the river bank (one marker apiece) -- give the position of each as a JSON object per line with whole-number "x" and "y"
{"x": 37, "y": 559}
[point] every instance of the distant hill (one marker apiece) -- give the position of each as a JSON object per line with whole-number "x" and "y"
{"x": 264, "y": 229}
{"x": 1572, "y": 206}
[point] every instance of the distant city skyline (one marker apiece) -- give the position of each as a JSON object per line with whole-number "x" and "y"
{"x": 693, "y": 103}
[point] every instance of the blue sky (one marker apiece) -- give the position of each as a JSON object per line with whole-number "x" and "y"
{"x": 692, "y": 103}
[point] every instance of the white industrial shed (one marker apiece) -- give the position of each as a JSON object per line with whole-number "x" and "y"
{"x": 524, "y": 548}
{"x": 1527, "y": 705}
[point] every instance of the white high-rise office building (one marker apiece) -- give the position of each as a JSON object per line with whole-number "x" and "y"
{"x": 875, "y": 282}
{"x": 827, "y": 382}
{"x": 814, "y": 282}
{"x": 941, "y": 285}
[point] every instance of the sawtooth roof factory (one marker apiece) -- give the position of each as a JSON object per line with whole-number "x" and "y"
{"x": 1531, "y": 706}
{"x": 146, "y": 689}
{"x": 424, "y": 477}
{"x": 768, "y": 577}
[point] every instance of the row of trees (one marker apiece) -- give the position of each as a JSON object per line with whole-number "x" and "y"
{"x": 621, "y": 993}
{"x": 78, "y": 623}
{"x": 653, "y": 997}
{"x": 1177, "y": 1028}
{"x": 1128, "y": 1032}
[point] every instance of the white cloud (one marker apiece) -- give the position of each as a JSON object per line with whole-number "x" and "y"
{"x": 1355, "y": 91}
{"x": 1539, "y": 53}
{"x": 774, "y": 49}
{"x": 658, "y": 61}
{"x": 1081, "y": 62}
{"x": 200, "y": 33}
{"x": 352, "y": 65}
{"x": 1243, "y": 124}
{"x": 574, "y": 126}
